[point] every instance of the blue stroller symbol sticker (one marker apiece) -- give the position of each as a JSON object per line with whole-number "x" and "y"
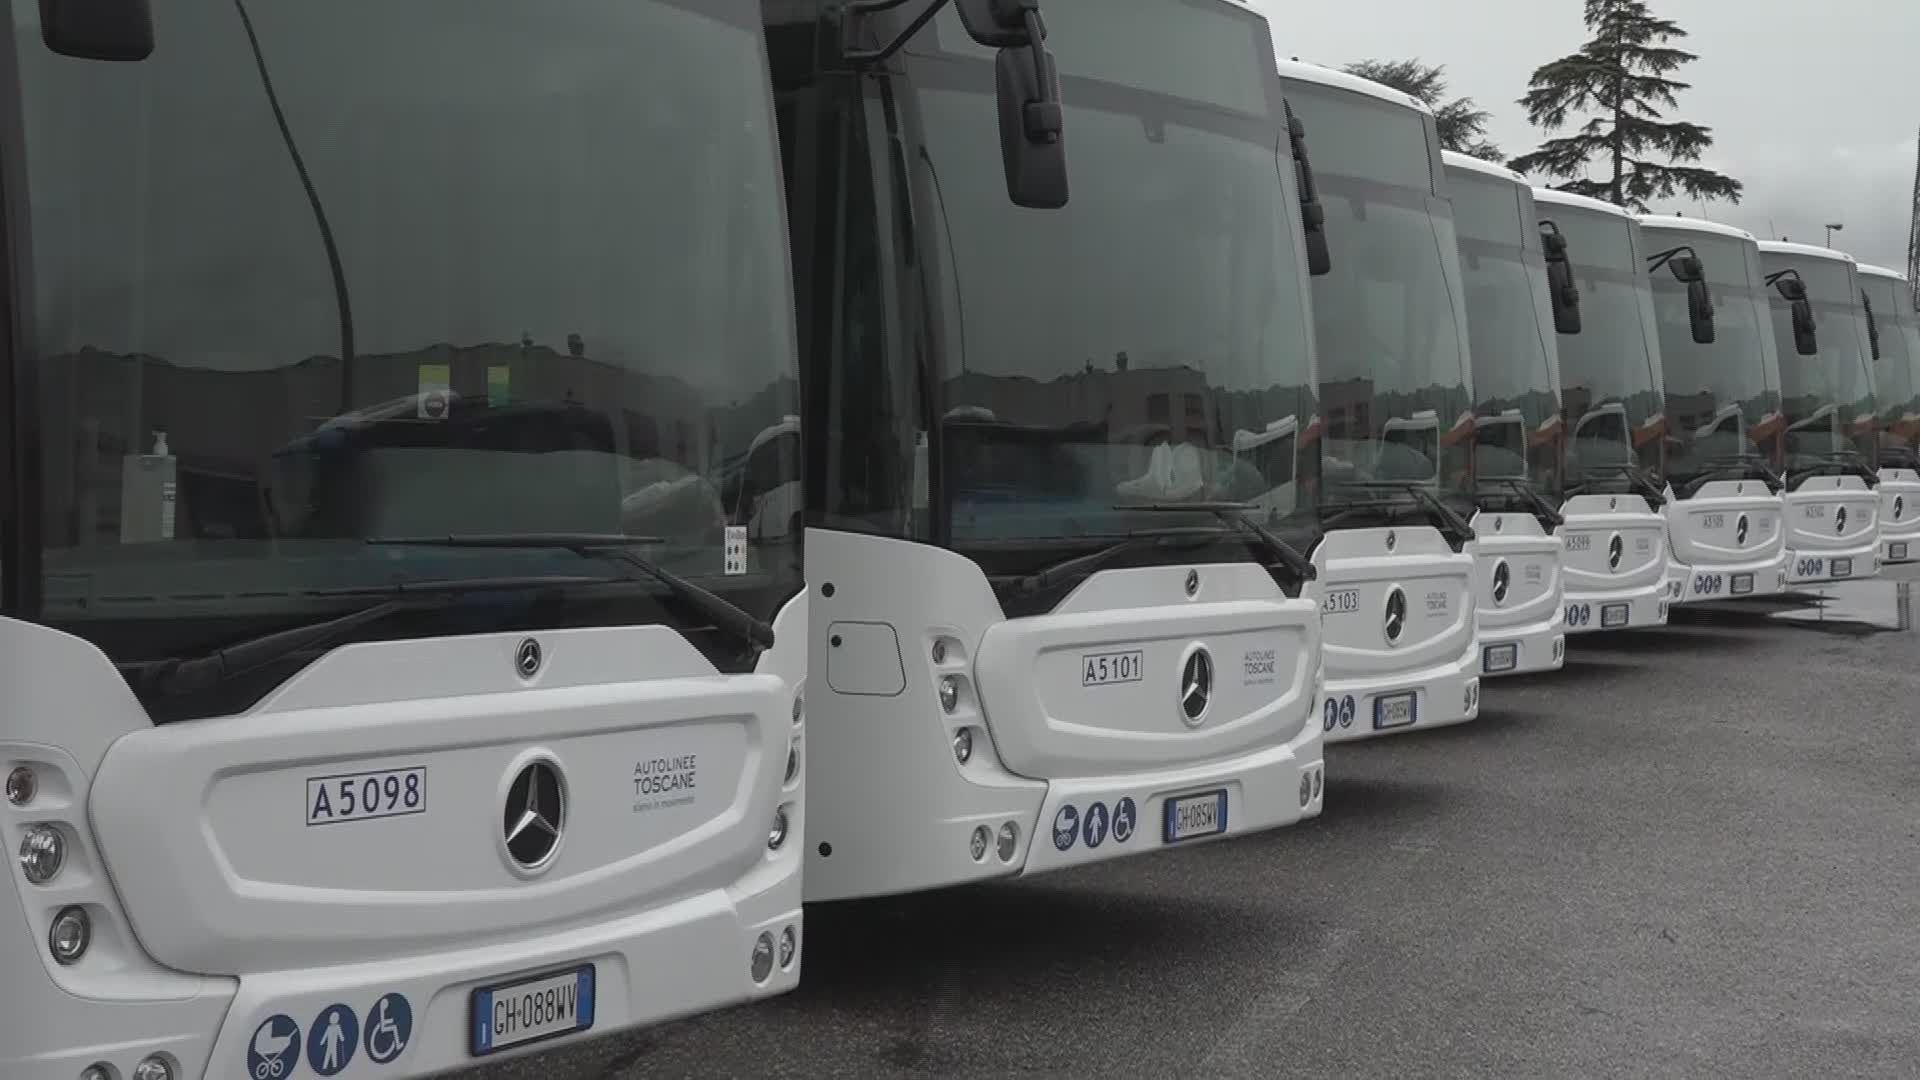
{"x": 275, "y": 1049}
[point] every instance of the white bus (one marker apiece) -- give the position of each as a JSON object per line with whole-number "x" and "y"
{"x": 353, "y": 719}
{"x": 1395, "y": 570}
{"x": 1827, "y": 397}
{"x": 1518, "y": 452}
{"x": 1722, "y": 378}
{"x": 1614, "y": 542}
{"x": 1895, "y": 336}
{"x": 1053, "y": 568}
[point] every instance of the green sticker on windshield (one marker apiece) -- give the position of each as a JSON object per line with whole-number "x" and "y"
{"x": 499, "y": 385}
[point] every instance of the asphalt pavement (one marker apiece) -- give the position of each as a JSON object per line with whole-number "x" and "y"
{"x": 1691, "y": 853}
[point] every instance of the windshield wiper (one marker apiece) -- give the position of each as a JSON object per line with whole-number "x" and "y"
{"x": 724, "y": 614}
{"x": 1233, "y": 513}
{"x": 1454, "y": 527}
{"x": 180, "y": 676}
{"x": 1047, "y": 577}
{"x": 1742, "y": 467}
{"x": 1530, "y": 495}
{"x": 1639, "y": 482}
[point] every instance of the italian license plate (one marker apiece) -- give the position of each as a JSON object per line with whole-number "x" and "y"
{"x": 1191, "y": 816}
{"x": 1396, "y": 710}
{"x": 532, "y": 1010}
{"x": 1896, "y": 551}
{"x": 1741, "y": 585}
{"x": 1105, "y": 669}
{"x": 1613, "y": 615}
{"x": 1841, "y": 567}
{"x": 1501, "y": 657}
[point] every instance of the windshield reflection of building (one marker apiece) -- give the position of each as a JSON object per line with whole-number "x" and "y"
{"x": 1106, "y": 437}
{"x": 526, "y": 438}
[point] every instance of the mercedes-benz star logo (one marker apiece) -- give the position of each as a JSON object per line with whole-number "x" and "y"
{"x": 1396, "y": 619}
{"x": 1616, "y": 550}
{"x": 1193, "y": 582}
{"x": 1899, "y": 506}
{"x": 536, "y": 813}
{"x": 1390, "y": 540}
{"x": 1840, "y": 520}
{"x": 1502, "y": 581}
{"x": 1740, "y": 530}
{"x": 1196, "y": 686}
{"x": 526, "y": 659}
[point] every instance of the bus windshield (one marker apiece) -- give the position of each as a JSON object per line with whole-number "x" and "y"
{"x": 1610, "y": 371}
{"x": 1389, "y": 318}
{"x": 1896, "y": 375}
{"x": 317, "y": 274}
{"x": 1827, "y": 399}
{"x": 1148, "y": 344}
{"x": 1721, "y": 397}
{"x": 1516, "y": 376}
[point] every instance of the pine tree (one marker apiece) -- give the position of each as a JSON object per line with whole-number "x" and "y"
{"x": 1622, "y": 77}
{"x": 1462, "y": 123}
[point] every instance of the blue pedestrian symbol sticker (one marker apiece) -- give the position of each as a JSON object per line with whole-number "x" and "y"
{"x": 1066, "y": 826}
{"x": 331, "y": 1040}
{"x": 275, "y": 1050}
{"x": 1331, "y": 714}
{"x": 1096, "y": 826}
{"x": 1123, "y": 817}
{"x": 389, "y": 1026}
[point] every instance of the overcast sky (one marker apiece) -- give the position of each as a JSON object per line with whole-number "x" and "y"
{"x": 1814, "y": 105}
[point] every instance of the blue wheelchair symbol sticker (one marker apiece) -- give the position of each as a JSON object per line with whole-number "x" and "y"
{"x": 1066, "y": 826}
{"x": 331, "y": 1040}
{"x": 1346, "y": 711}
{"x": 275, "y": 1050}
{"x": 1123, "y": 817}
{"x": 389, "y": 1026}
{"x": 1096, "y": 825}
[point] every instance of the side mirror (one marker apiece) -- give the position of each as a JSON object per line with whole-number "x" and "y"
{"x": 1873, "y": 324}
{"x": 1313, "y": 216}
{"x": 1561, "y": 289}
{"x": 1794, "y": 291}
{"x": 1700, "y": 311}
{"x": 1027, "y": 85}
{"x": 119, "y": 31}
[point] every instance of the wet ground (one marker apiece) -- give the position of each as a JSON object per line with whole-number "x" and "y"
{"x": 1691, "y": 853}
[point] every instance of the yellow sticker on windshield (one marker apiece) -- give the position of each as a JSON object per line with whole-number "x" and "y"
{"x": 436, "y": 387}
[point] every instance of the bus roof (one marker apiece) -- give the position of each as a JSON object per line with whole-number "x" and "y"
{"x": 1805, "y": 251}
{"x": 1698, "y": 225}
{"x": 1453, "y": 159}
{"x": 1300, "y": 71}
{"x": 1547, "y": 196}
{"x": 1880, "y": 271}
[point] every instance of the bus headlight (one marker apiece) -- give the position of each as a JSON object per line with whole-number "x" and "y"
{"x": 99, "y": 1070}
{"x": 153, "y": 1068}
{"x": 70, "y": 934}
{"x": 42, "y": 852}
{"x": 963, "y": 745}
{"x": 789, "y": 945}
{"x": 977, "y": 842}
{"x": 1009, "y": 838}
{"x": 777, "y": 835}
{"x": 1306, "y": 788}
{"x": 22, "y": 785}
{"x": 793, "y": 761}
{"x": 761, "y": 964}
{"x": 949, "y": 692}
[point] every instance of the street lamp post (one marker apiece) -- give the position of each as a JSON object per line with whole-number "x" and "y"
{"x": 1831, "y": 229}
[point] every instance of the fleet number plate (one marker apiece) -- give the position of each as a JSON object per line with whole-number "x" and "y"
{"x": 1340, "y": 602}
{"x": 1579, "y": 541}
{"x": 365, "y": 796}
{"x": 1397, "y": 710}
{"x": 1742, "y": 584}
{"x": 1842, "y": 567}
{"x": 1106, "y": 668}
{"x": 1896, "y": 551}
{"x": 1502, "y": 657}
{"x": 531, "y": 1010}
{"x": 1614, "y": 615}
{"x": 1191, "y": 816}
